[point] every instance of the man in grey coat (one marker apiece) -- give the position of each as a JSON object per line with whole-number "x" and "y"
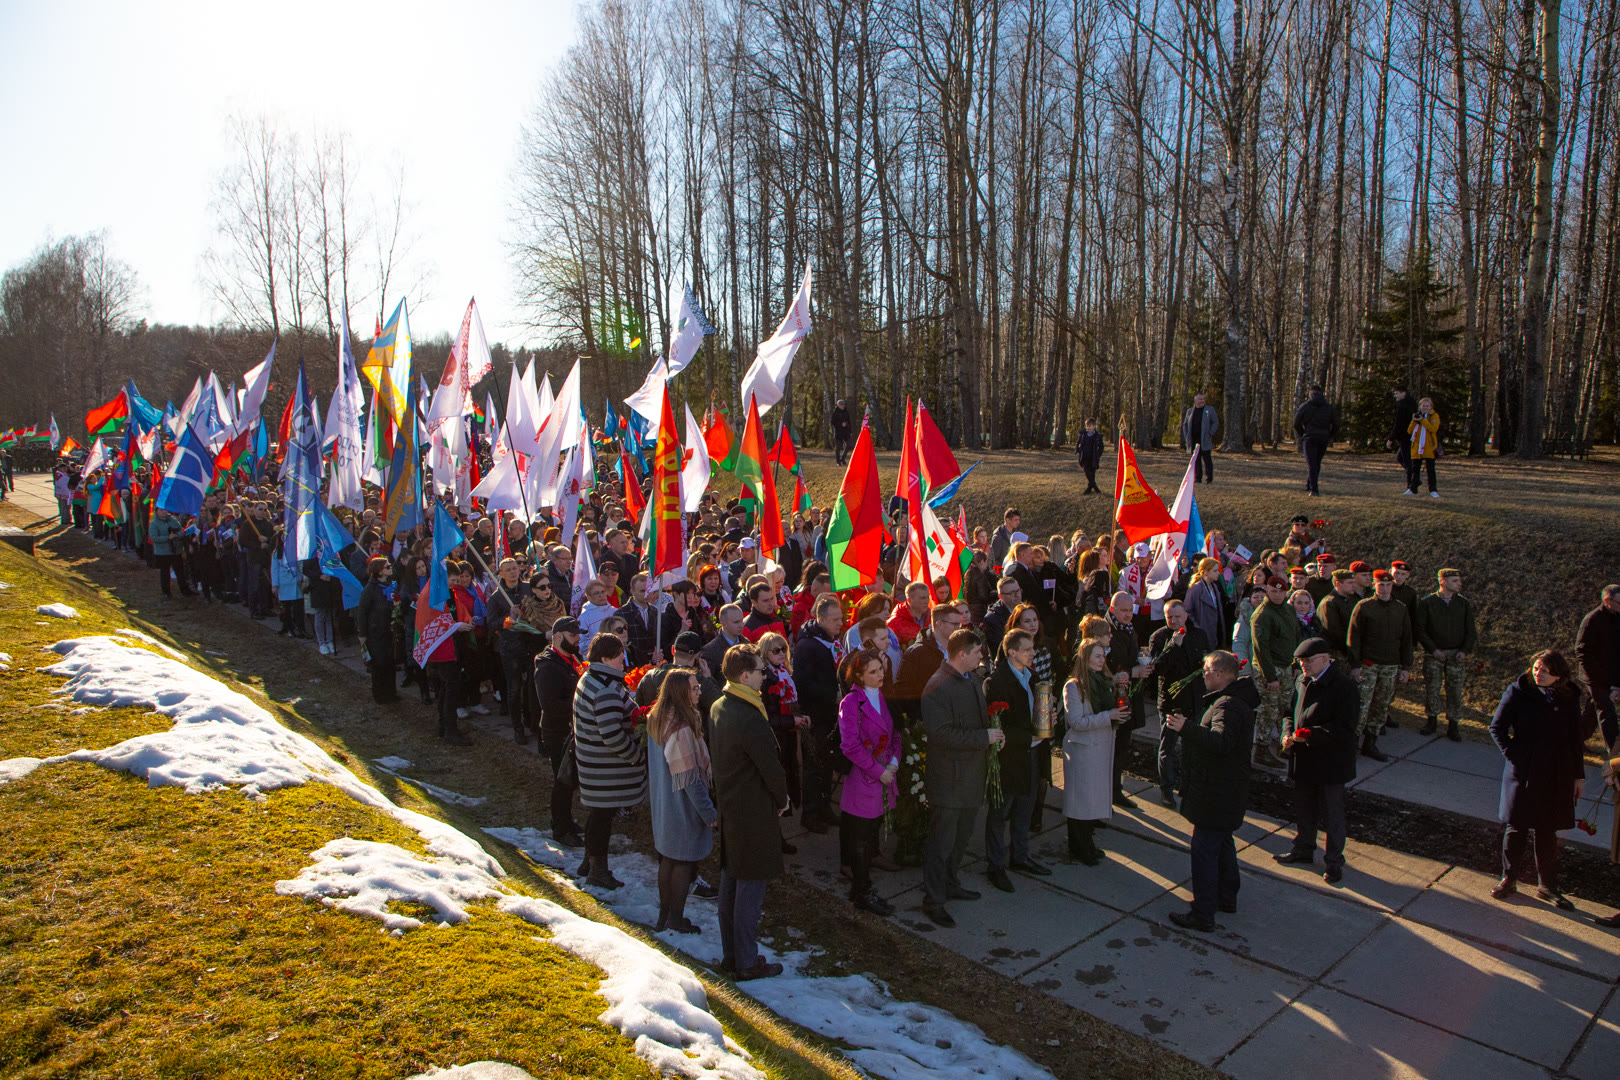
{"x": 959, "y": 742}
{"x": 1198, "y": 427}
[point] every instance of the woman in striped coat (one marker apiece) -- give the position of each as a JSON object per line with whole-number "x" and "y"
{"x": 611, "y": 757}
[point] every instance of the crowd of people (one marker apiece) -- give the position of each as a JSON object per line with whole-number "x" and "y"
{"x": 895, "y": 712}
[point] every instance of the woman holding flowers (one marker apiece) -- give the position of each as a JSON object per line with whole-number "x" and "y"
{"x": 1093, "y": 708}
{"x": 866, "y": 734}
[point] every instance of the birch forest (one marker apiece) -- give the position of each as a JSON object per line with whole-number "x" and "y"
{"x": 1030, "y": 212}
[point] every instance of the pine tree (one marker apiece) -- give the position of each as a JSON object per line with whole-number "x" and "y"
{"x": 1413, "y": 337}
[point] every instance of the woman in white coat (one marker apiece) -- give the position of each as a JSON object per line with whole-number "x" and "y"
{"x": 1091, "y": 705}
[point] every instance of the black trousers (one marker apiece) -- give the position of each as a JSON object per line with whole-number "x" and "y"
{"x": 1204, "y": 472}
{"x": 1315, "y": 450}
{"x": 1082, "y": 837}
{"x": 562, "y": 795}
{"x": 382, "y": 671}
{"x": 1122, "y": 750}
{"x": 1319, "y": 806}
{"x": 1516, "y": 838}
{"x": 165, "y": 563}
{"x": 519, "y": 692}
{"x": 1215, "y": 878}
{"x": 1091, "y": 478}
{"x": 1414, "y": 470}
{"x": 598, "y": 830}
{"x": 787, "y": 752}
{"x": 816, "y": 778}
{"x": 859, "y": 839}
{"x": 446, "y": 676}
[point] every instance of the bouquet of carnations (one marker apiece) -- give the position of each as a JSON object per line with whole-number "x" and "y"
{"x": 992, "y": 775}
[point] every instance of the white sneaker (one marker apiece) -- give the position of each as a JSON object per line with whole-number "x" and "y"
{"x": 461, "y": 714}
{"x": 1408, "y": 491}
{"x": 1434, "y": 494}
{"x": 481, "y": 709}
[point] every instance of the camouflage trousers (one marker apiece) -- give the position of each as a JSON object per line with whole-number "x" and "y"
{"x": 1378, "y": 683}
{"x": 1268, "y": 718}
{"x": 1450, "y": 670}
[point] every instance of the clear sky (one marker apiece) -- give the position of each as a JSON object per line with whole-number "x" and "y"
{"x": 113, "y": 115}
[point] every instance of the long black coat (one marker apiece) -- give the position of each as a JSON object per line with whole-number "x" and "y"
{"x": 750, "y": 787}
{"x": 1330, "y": 707}
{"x": 1122, "y": 653}
{"x": 375, "y": 615}
{"x": 1542, "y": 740}
{"x": 815, "y": 675}
{"x": 1019, "y": 726}
{"x": 1215, "y": 758}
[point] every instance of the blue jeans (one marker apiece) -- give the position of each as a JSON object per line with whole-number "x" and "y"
{"x": 1011, "y": 811}
{"x": 741, "y": 904}
{"x": 1214, "y": 871}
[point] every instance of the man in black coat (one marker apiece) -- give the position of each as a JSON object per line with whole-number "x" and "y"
{"x": 1122, "y": 656}
{"x": 919, "y": 663}
{"x": 1009, "y": 594}
{"x": 1319, "y": 740}
{"x": 1177, "y": 649}
{"x": 1597, "y": 651}
{"x": 640, "y": 619}
{"x": 841, "y": 431}
{"x": 1316, "y": 423}
{"x": 1012, "y": 685}
{"x": 1399, "y": 438}
{"x": 815, "y": 674}
{"x": 556, "y": 673}
{"x": 1090, "y": 451}
{"x": 1215, "y": 785}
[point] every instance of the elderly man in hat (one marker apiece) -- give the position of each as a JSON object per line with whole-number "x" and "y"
{"x": 1380, "y": 644}
{"x": 1320, "y": 742}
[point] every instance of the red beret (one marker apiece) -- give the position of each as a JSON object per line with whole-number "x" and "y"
{"x": 1383, "y": 575}
{"x": 1325, "y": 557}
{"x": 1359, "y": 567}
{"x": 1399, "y": 564}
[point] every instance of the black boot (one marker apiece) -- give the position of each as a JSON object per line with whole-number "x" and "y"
{"x": 1369, "y": 748}
{"x": 1451, "y": 731}
{"x": 1430, "y": 726}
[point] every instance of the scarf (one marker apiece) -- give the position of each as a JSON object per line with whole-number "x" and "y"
{"x": 550, "y": 610}
{"x": 748, "y": 694}
{"x": 786, "y": 692}
{"x": 1100, "y": 688}
{"x": 687, "y": 757}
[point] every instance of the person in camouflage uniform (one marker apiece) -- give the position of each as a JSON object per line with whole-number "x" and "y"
{"x": 1445, "y": 628}
{"x": 1380, "y": 642}
{"x": 1274, "y": 631}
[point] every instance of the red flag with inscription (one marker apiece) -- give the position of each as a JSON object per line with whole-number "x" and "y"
{"x": 1138, "y": 510}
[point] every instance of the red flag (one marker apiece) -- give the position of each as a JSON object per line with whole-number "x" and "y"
{"x": 1138, "y": 510}
{"x": 284, "y": 431}
{"x": 105, "y": 418}
{"x": 754, "y": 471}
{"x": 917, "y": 542}
{"x": 634, "y": 501}
{"x": 665, "y": 553}
{"x": 908, "y": 461}
{"x": 933, "y": 454}
{"x": 783, "y": 453}
{"x": 855, "y": 534}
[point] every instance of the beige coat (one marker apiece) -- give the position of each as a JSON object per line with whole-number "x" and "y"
{"x": 1088, "y": 758}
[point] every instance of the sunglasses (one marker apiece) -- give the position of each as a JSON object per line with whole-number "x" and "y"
{"x": 778, "y": 651}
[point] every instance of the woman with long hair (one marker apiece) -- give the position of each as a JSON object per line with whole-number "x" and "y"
{"x": 683, "y": 811}
{"x": 1093, "y": 708}
{"x": 866, "y": 734}
{"x": 781, "y": 699}
{"x": 1096, "y": 587}
{"x": 1541, "y": 726}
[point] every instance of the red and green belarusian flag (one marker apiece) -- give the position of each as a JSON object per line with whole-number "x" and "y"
{"x": 634, "y": 502}
{"x": 855, "y": 534}
{"x": 109, "y": 417}
{"x": 785, "y": 455}
{"x": 8, "y": 438}
{"x": 720, "y": 439}
{"x": 666, "y": 554}
{"x": 754, "y": 470}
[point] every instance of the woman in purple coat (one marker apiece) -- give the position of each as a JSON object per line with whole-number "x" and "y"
{"x": 866, "y": 733}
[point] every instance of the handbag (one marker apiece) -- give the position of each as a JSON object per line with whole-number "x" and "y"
{"x": 568, "y": 765}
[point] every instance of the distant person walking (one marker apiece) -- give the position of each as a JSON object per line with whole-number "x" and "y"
{"x": 1423, "y": 447}
{"x": 1089, "y": 449}
{"x": 1400, "y": 432}
{"x": 841, "y": 431}
{"x": 1316, "y": 423}
{"x": 1198, "y": 427}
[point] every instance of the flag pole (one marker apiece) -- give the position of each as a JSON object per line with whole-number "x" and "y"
{"x": 511, "y": 449}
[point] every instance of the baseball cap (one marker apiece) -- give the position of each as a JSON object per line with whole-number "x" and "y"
{"x": 745, "y": 544}
{"x": 1140, "y": 549}
{"x": 1359, "y": 567}
{"x": 565, "y": 625}
{"x": 688, "y": 642}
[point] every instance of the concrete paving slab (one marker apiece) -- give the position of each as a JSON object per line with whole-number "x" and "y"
{"x": 1155, "y": 821}
{"x": 1447, "y": 789}
{"x": 1510, "y": 1002}
{"x": 1461, "y": 903}
{"x": 1011, "y": 932}
{"x": 1469, "y": 757}
{"x": 1134, "y": 871}
{"x": 1372, "y": 875}
{"x": 1266, "y": 907}
{"x": 1326, "y": 1033}
{"x": 1601, "y": 813}
{"x": 1597, "y": 1058}
{"x": 1179, "y": 991}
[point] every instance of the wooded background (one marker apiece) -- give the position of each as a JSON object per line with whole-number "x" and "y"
{"x": 1026, "y": 212}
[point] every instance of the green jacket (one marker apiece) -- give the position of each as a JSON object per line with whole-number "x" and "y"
{"x": 1380, "y": 633}
{"x": 1446, "y": 626}
{"x": 1334, "y": 615}
{"x": 1274, "y": 629}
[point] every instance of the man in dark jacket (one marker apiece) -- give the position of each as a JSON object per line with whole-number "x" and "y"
{"x": 1215, "y": 785}
{"x": 1320, "y": 741}
{"x": 1012, "y": 686}
{"x": 1122, "y": 656}
{"x": 1380, "y": 643}
{"x": 1444, "y": 626}
{"x": 1009, "y": 594}
{"x": 375, "y": 624}
{"x": 1597, "y": 650}
{"x": 1198, "y": 427}
{"x": 1316, "y": 423}
{"x": 918, "y": 663}
{"x": 1177, "y": 649}
{"x": 1274, "y": 632}
{"x": 841, "y": 431}
{"x": 684, "y": 650}
{"x": 731, "y": 618}
{"x": 1090, "y": 451}
{"x": 1333, "y": 614}
{"x": 815, "y": 674}
{"x": 640, "y": 619}
{"x": 960, "y": 738}
{"x": 1320, "y": 585}
{"x": 556, "y": 674}
{"x": 750, "y": 789}
{"x": 1399, "y": 438}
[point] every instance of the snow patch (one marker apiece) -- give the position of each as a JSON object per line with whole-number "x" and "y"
{"x": 651, "y": 998}
{"x": 444, "y": 794}
{"x": 392, "y": 762}
{"x": 361, "y": 877}
{"x": 131, "y": 632}
{"x": 57, "y": 611}
{"x": 5, "y": 657}
{"x": 18, "y": 767}
{"x": 477, "y": 1070}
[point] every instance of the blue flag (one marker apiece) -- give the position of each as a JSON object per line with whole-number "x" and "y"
{"x": 142, "y": 413}
{"x": 402, "y": 501}
{"x": 446, "y": 538}
{"x": 1193, "y": 549}
{"x": 301, "y": 477}
{"x": 331, "y": 538}
{"x": 186, "y": 482}
{"x": 948, "y": 492}
{"x": 610, "y": 424}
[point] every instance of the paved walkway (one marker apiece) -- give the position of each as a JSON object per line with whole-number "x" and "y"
{"x": 1406, "y": 969}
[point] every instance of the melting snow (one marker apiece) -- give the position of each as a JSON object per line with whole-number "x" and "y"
{"x": 18, "y": 767}
{"x": 130, "y": 632}
{"x": 59, "y": 611}
{"x": 362, "y": 876}
{"x": 477, "y": 1070}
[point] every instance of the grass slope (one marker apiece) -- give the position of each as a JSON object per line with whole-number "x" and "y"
{"x": 140, "y": 935}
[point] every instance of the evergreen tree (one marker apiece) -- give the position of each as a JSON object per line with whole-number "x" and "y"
{"x": 1413, "y": 337}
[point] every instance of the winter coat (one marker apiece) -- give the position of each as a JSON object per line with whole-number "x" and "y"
{"x": 324, "y": 593}
{"x": 1597, "y": 649}
{"x": 288, "y": 581}
{"x": 556, "y": 675}
{"x": 917, "y": 665}
{"x": 1215, "y": 758}
{"x": 1401, "y": 429}
{"x": 1242, "y": 639}
{"x": 868, "y": 740}
{"x": 375, "y": 618}
{"x": 1333, "y": 617}
{"x": 1206, "y": 612}
{"x": 815, "y": 674}
{"x": 1542, "y": 740}
{"x": 680, "y": 819}
{"x": 612, "y": 761}
{"x": 750, "y": 788}
{"x": 1425, "y": 435}
{"x": 1380, "y": 633}
{"x": 1445, "y": 625}
{"x": 957, "y": 721}
{"x": 1316, "y": 420}
{"x": 1211, "y": 424}
{"x": 1330, "y": 707}
{"x": 1173, "y": 661}
{"x": 164, "y": 534}
{"x": 1090, "y": 448}
{"x": 1088, "y": 757}
{"x": 1274, "y": 632}
{"x": 1017, "y": 723}
{"x": 903, "y": 625}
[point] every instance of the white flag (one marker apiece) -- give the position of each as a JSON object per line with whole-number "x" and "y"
{"x": 257, "y": 382}
{"x": 343, "y": 424}
{"x": 695, "y": 475}
{"x": 687, "y": 329}
{"x": 584, "y": 572}
{"x": 648, "y": 401}
{"x": 94, "y": 460}
{"x": 561, "y": 431}
{"x": 56, "y": 434}
{"x": 1166, "y": 546}
{"x": 766, "y": 378}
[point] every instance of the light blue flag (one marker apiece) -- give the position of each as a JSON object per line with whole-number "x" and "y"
{"x": 190, "y": 472}
{"x": 331, "y": 538}
{"x": 948, "y": 492}
{"x": 1193, "y": 549}
{"x": 446, "y": 538}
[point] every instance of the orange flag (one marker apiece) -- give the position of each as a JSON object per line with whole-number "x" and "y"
{"x": 1138, "y": 510}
